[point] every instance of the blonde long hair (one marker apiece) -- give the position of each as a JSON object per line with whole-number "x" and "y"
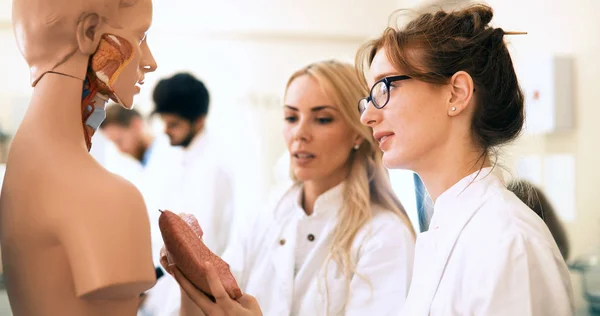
{"x": 367, "y": 182}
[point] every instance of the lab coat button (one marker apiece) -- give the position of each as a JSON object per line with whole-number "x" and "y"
{"x": 311, "y": 237}
{"x": 282, "y": 242}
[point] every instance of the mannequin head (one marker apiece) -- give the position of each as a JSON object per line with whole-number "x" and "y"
{"x": 60, "y": 36}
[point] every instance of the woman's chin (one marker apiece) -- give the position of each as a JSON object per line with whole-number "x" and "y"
{"x": 391, "y": 161}
{"x": 302, "y": 175}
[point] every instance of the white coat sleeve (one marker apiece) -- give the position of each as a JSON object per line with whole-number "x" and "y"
{"x": 242, "y": 249}
{"x": 520, "y": 277}
{"x": 385, "y": 261}
{"x": 236, "y": 255}
{"x": 224, "y": 209}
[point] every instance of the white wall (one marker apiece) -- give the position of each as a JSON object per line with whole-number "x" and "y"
{"x": 5, "y": 11}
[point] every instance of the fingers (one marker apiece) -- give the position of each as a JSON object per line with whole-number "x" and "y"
{"x": 164, "y": 261}
{"x": 218, "y": 291}
{"x": 201, "y": 300}
{"x": 163, "y": 253}
{"x": 250, "y": 303}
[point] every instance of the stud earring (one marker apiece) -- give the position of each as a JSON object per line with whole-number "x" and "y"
{"x": 356, "y": 147}
{"x": 453, "y": 108}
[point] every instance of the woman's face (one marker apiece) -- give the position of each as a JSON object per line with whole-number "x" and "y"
{"x": 318, "y": 138}
{"x": 136, "y": 21}
{"x": 414, "y": 125}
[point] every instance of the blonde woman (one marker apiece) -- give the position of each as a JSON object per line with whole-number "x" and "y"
{"x": 338, "y": 242}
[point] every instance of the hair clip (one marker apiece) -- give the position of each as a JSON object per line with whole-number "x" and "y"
{"x": 515, "y": 33}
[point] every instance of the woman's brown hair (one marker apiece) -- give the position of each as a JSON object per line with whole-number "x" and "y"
{"x": 434, "y": 46}
{"x": 535, "y": 198}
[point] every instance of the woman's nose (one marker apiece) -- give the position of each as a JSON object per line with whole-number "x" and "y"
{"x": 370, "y": 116}
{"x": 302, "y": 132}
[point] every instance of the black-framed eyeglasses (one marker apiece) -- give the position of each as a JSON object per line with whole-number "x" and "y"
{"x": 380, "y": 93}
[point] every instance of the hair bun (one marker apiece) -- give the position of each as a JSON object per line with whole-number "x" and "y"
{"x": 474, "y": 19}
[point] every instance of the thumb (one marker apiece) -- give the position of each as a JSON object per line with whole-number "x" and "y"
{"x": 250, "y": 303}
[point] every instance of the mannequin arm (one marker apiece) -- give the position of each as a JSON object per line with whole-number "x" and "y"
{"x": 107, "y": 242}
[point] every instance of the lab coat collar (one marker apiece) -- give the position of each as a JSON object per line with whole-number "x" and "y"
{"x": 468, "y": 188}
{"x": 196, "y": 147}
{"x": 327, "y": 204}
{"x": 288, "y": 213}
{"x": 452, "y": 211}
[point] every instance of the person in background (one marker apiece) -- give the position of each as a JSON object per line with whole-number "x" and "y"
{"x": 204, "y": 188}
{"x": 203, "y": 185}
{"x": 535, "y": 198}
{"x": 444, "y": 96}
{"x": 107, "y": 154}
{"x": 338, "y": 241}
{"x": 129, "y": 131}
{"x": 159, "y": 161}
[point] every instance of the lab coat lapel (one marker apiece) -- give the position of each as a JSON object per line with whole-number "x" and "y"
{"x": 283, "y": 253}
{"x": 459, "y": 207}
{"x": 442, "y": 251}
{"x": 315, "y": 260}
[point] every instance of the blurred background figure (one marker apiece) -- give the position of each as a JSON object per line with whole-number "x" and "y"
{"x": 535, "y": 198}
{"x": 115, "y": 161}
{"x": 129, "y": 131}
{"x": 158, "y": 161}
{"x": 202, "y": 185}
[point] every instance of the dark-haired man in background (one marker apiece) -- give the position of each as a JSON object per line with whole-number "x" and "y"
{"x": 204, "y": 188}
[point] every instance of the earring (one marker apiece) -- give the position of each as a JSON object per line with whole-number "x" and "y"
{"x": 453, "y": 108}
{"x": 356, "y": 147}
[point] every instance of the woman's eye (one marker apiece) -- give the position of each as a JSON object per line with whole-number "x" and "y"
{"x": 324, "y": 120}
{"x": 290, "y": 119}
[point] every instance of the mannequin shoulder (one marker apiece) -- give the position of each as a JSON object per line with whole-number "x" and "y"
{"x": 102, "y": 193}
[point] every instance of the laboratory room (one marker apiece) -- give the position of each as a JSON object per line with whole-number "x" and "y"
{"x": 278, "y": 157}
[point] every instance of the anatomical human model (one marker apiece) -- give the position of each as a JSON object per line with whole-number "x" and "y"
{"x": 184, "y": 248}
{"x": 75, "y": 238}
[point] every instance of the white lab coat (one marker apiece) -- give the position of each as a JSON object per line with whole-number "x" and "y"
{"x": 275, "y": 262}
{"x": 159, "y": 174}
{"x": 112, "y": 159}
{"x": 205, "y": 189}
{"x": 487, "y": 253}
{"x": 202, "y": 187}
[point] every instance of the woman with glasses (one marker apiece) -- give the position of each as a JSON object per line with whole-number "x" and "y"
{"x": 444, "y": 96}
{"x": 338, "y": 242}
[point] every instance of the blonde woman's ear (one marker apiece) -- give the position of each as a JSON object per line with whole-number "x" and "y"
{"x": 358, "y": 141}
